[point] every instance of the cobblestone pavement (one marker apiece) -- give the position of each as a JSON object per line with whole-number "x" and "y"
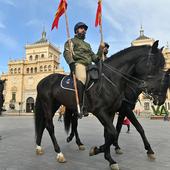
{"x": 17, "y": 147}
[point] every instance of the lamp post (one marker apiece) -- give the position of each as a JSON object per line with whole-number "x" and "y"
{"x": 19, "y": 108}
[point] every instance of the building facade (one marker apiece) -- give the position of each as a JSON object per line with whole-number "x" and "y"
{"x": 41, "y": 59}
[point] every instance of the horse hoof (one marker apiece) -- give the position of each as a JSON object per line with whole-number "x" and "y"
{"x": 114, "y": 167}
{"x": 82, "y": 147}
{"x": 60, "y": 158}
{"x": 68, "y": 139}
{"x": 151, "y": 157}
{"x": 92, "y": 151}
{"x": 39, "y": 151}
{"x": 119, "y": 151}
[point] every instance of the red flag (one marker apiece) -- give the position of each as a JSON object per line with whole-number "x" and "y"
{"x": 60, "y": 11}
{"x": 99, "y": 14}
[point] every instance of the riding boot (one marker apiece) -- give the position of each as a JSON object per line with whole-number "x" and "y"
{"x": 83, "y": 111}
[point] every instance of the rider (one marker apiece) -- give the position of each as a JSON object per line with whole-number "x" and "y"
{"x": 105, "y": 50}
{"x": 79, "y": 57}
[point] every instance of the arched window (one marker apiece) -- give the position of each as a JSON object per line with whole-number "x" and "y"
{"x": 30, "y": 57}
{"x": 45, "y": 68}
{"x": 42, "y": 55}
{"x": 35, "y": 69}
{"x": 41, "y": 68}
{"x": 31, "y": 70}
{"x": 15, "y": 70}
{"x": 36, "y": 57}
{"x": 49, "y": 68}
{"x": 19, "y": 70}
{"x": 28, "y": 70}
{"x": 11, "y": 70}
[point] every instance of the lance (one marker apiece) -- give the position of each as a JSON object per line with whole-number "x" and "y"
{"x": 99, "y": 22}
{"x": 71, "y": 53}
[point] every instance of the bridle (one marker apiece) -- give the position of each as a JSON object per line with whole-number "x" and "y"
{"x": 140, "y": 83}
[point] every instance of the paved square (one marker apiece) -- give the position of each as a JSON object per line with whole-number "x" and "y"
{"x": 17, "y": 147}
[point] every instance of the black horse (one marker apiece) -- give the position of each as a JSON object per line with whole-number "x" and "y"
{"x": 131, "y": 95}
{"x": 126, "y": 110}
{"x": 103, "y": 98}
{"x": 2, "y": 82}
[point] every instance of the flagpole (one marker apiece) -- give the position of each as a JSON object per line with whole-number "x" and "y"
{"x": 71, "y": 52}
{"x": 101, "y": 31}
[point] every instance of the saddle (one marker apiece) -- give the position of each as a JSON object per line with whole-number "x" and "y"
{"x": 92, "y": 73}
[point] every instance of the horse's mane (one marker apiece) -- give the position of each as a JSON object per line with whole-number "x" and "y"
{"x": 135, "y": 49}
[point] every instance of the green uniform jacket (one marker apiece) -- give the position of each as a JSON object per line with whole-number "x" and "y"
{"x": 82, "y": 52}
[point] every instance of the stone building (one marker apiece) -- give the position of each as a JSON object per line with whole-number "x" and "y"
{"x": 41, "y": 59}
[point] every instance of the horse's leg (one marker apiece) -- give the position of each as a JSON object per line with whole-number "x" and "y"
{"x": 39, "y": 125}
{"x": 40, "y": 130}
{"x": 130, "y": 115}
{"x": 109, "y": 135}
{"x": 121, "y": 117}
{"x": 70, "y": 137}
{"x": 49, "y": 110}
{"x": 74, "y": 128}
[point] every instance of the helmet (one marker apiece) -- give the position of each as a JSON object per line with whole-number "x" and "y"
{"x": 78, "y": 25}
{"x": 106, "y": 45}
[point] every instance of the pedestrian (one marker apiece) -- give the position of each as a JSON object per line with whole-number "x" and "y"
{"x": 61, "y": 112}
{"x": 126, "y": 122}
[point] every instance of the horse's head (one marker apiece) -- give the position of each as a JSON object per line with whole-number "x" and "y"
{"x": 158, "y": 85}
{"x": 2, "y": 82}
{"x": 150, "y": 61}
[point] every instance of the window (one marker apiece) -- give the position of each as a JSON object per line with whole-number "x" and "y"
{"x": 28, "y": 70}
{"x": 31, "y": 70}
{"x": 14, "y": 96}
{"x": 36, "y": 57}
{"x": 15, "y": 70}
{"x": 41, "y": 68}
{"x": 30, "y": 57}
{"x": 45, "y": 68}
{"x": 11, "y": 70}
{"x": 19, "y": 70}
{"x": 146, "y": 105}
{"x": 50, "y": 55}
{"x": 49, "y": 68}
{"x": 35, "y": 69}
{"x": 42, "y": 55}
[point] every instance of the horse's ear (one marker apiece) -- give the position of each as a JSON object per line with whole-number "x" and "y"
{"x": 155, "y": 46}
{"x": 162, "y": 48}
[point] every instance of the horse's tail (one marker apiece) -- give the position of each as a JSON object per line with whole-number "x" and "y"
{"x": 67, "y": 120}
{"x": 38, "y": 115}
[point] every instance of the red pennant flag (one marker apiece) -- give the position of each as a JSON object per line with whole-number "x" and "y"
{"x": 99, "y": 14}
{"x": 60, "y": 11}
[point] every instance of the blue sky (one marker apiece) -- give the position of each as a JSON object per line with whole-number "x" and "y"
{"x": 22, "y": 21}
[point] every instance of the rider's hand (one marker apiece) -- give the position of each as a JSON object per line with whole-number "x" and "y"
{"x": 102, "y": 46}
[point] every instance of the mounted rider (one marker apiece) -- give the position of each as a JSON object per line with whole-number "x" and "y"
{"x": 106, "y": 50}
{"x": 80, "y": 56}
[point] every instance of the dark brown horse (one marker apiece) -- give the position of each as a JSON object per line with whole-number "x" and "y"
{"x": 103, "y": 98}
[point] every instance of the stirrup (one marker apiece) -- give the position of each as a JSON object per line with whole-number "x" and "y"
{"x": 80, "y": 115}
{"x": 85, "y": 113}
